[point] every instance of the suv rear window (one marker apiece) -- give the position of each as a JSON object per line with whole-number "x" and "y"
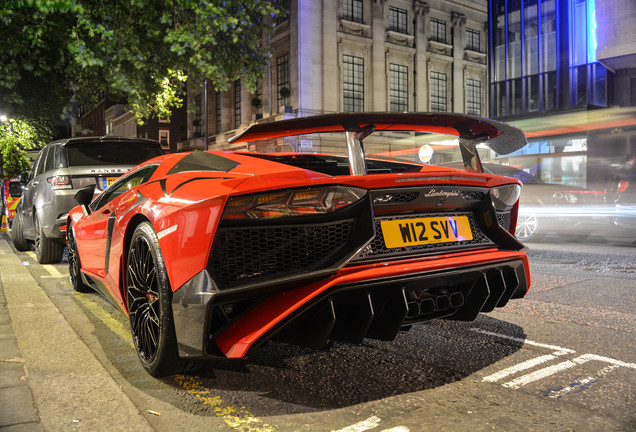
{"x": 107, "y": 153}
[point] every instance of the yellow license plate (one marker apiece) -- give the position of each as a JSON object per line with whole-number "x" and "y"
{"x": 107, "y": 181}
{"x": 419, "y": 231}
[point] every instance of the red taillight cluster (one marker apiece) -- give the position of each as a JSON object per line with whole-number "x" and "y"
{"x": 303, "y": 202}
{"x": 60, "y": 182}
{"x": 622, "y": 186}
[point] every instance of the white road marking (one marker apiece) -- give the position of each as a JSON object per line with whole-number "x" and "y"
{"x": 539, "y": 374}
{"x": 608, "y": 360}
{"x": 528, "y": 364}
{"x": 362, "y": 426}
{"x": 551, "y": 370}
{"x": 558, "y": 350}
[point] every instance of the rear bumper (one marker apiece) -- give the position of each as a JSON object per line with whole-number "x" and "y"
{"x": 375, "y": 301}
{"x": 54, "y": 214}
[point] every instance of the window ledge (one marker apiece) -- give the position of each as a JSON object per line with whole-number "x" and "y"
{"x": 474, "y": 56}
{"x": 440, "y": 47}
{"x": 399, "y": 38}
{"x": 354, "y": 28}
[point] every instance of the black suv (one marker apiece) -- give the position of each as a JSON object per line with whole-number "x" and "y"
{"x": 60, "y": 170}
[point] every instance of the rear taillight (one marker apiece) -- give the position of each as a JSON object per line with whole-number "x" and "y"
{"x": 505, "y": 196}
{"x": 60, "y": 182}
{"x": 304, "y": 202}
{"x": 622, "y": 186}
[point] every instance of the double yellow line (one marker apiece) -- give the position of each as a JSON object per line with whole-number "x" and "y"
{"x": 238, "y": 419}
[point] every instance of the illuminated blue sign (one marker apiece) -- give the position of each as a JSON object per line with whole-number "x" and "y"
{"x": 583, "y": 26}
{"x": 592, "y": 43}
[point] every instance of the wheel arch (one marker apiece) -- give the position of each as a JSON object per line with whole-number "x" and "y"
{"x": 135, "y": 221}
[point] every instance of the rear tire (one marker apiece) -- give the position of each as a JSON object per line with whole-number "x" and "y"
{"x": 46, "y": 250}
{"x": 148, "y": 298}
{"x": 74, "y": 263}
{"x": 17, "y": 234}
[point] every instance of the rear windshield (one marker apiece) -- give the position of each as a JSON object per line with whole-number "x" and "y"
{"x": 109, "y": 153}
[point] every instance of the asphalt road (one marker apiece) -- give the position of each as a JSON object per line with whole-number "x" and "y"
{"x": 562, "y": 359}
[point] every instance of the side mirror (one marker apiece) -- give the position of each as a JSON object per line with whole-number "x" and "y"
{"x": 24, "y": 178}
{"x": 84, "y": 196}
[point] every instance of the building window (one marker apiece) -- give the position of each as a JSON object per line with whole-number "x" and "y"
{"x": 282, "y": 79}
{"x": 237, "y": 103}
{"x": 217, "y": 114}
{"x": 438, "y": 30}
{"x": 531, "y": 93}
{"x": 283, "y": 7}
{"x": 438, "y": 92}
{"x": 352, "y": 10}
{"x": 258, "y": 110}
{"x": 473, "y": 97}
{"x": 397, "y": 20}
{"x": 398, "y": 88}
{"x": 164, "y": 138}
{"x": 353, "y": 83}
{"x": 473, "y": 41}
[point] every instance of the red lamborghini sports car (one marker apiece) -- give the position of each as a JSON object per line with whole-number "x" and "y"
{"x": 212, "y": 253}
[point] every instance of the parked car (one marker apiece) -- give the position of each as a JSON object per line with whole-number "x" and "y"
{"x": 571, "y": 212}
{"x": 60, "y": 170}
{"x": 212, "y": 253}
{"x": 12, "y": 189}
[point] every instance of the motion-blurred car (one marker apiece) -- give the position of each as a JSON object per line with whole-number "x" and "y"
{"x": 212, "y": 253}
{"x": 571, "y": 212}
{"x": 60, "y": 170}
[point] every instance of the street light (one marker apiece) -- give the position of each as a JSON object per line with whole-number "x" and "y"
{"x": 3, "y": 118}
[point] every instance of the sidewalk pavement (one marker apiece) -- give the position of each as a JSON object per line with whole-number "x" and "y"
{"x": 49, "y": 378}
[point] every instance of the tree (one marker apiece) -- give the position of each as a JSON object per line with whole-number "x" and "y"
{"x": 17, "y": 136}
{"x": 135, "y": 50}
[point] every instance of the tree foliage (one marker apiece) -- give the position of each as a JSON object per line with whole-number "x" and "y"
{"x": 17, "y": 136}
{"x": 139, "y": 51}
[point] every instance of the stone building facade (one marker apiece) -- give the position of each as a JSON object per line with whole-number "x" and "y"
{"x": 355, "y": 55}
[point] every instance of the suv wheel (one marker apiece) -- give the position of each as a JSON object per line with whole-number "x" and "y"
{"x": 17, "y": 234}
{"x": 47, "y": 251}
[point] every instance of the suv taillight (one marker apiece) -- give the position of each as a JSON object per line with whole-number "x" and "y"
{"x": 60, "y": 182}
{"x": 622, "y": 186}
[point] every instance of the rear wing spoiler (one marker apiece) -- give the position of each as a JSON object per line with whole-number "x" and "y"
{"x": 471, "y": 131}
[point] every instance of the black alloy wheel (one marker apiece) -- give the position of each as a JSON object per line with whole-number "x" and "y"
{"x": 74, "y": 263}
{"x": 148, "y": 296}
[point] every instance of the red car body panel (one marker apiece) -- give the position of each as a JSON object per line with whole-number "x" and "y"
{"x": 185, "y": 207}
